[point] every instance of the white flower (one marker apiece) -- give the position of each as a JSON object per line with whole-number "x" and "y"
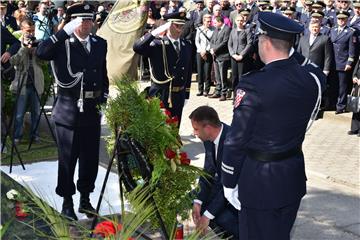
{"x": 12, "y": 194}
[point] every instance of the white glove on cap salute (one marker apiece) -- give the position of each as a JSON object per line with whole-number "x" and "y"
{"x": 70, "y": 27}
{"x": 160, "y": 29}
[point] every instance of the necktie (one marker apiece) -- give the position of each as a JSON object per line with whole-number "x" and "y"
{"x": 176, "y": 45}
{"x": 339, "y": 30}
{"x": 213, "y": 151}
{"x": 84, "y": 43}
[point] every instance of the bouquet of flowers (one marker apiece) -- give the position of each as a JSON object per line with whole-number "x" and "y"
{"x": 21, "y": 210}
{"x": 146, "y": 121}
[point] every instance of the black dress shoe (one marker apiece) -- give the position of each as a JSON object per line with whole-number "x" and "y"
{"x": 222, "y": 98}
{"x": 199, "y": 94}
{"x": 85, "y": 206}
{"x": 69, "y": 213}
{"x": 340, "y": 111}
{"x": 215, "y": 96}
{"x": 353, "y": 132}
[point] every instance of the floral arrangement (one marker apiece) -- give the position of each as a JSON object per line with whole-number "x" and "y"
{"x": 146, "y": 121}
{"x": 21, "y": 210}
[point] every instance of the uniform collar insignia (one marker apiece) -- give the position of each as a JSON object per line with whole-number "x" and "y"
{"x": 72, "y": 40}
{"x": 93, "y": 39}
{"x": 182, "y": 43}
{"x": 166, "y": 42}
{"x": 346, "y": 30}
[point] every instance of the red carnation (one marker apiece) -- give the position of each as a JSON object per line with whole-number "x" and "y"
{"x": 174, "y": 120}
{"x": 184, "y": 158}
{"x": 170, "y": 154}
{"x": 19, "y": 211}
{"x": 107, "y": 228}
{"x": 167, "y": 113}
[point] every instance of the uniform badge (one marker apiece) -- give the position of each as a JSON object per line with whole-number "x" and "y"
{"x": 152, "y": 44}
{"x": 166, "y": 42}
{"x": 72, "y": 40}
{"x": 86, "y": 7}
{"x": 239, "y": 96}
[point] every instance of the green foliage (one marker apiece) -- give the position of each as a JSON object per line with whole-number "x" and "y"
{"x": 143, "y": 120}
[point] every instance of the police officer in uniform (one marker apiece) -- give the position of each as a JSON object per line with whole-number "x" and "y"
{"x": 263, "y": 164}
{"x": 344, "y": 40}
{"x": 79, "y": 65}
{"x": 170, "y": 63}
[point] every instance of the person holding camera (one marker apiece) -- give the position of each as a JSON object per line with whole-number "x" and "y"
{"x": 28, "y": 82}
{"x": 45, "y": 21}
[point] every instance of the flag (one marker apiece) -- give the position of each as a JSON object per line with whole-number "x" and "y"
{"x": 124, "y": 24}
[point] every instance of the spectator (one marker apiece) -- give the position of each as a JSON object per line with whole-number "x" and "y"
{"x": 45, "y": 23}
{"x": 203, "y": 56}
{"x": 220, "y": 52}
{"x": 28, "y": 82}
{"x": 195, "y": 14}
{"x": 6, "y": 19}
{"x": 226, "y": 9}
{"x": 238, "y": 7}
{"x": 208, "y": 10}
{"x": 218, "y": 13}
{"x": 240, "y": 46}
{"x": 355, "y": 121}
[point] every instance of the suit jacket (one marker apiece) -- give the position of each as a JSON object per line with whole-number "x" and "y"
{"x": 219, "y": 42}
{"x": 93, "y": 66}
{"x": 240, "y": 42}
{"x": 344, "y": 47}
{"x": 320, "y": 52}
{"x": 211, "y": 189}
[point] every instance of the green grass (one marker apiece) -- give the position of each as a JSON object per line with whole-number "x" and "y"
{"x": 45, "y": 149}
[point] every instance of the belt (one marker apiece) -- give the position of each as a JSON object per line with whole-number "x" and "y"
{"x": 269, "y": 157}
{"x": 177, "y": 89}
{"x": 75, "y": 94}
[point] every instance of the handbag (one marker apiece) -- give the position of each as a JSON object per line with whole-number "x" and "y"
{"x": 353, "y": 100}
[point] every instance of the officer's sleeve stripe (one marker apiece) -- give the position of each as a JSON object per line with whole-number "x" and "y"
{"x": 53, "y": 38}
{"x": 227, "y": 171}
{"x": 227, "y": 167}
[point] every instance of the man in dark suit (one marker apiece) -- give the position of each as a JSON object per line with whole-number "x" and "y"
{"x": 210, "y": 207}
{"x": 170, "y": 63}
{"x": 317, "y": 47}
{"x": 219, "y": 50}
{"x": 79, "y": 66}
{"x": 344, "y": 44}
{"x": 263, "y": 164}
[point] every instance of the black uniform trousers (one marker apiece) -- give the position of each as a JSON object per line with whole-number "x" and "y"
{"x": 344, "y": 79}
{"x": 256, "y": 224}
{"x": 204, "y": 72}
{"x": 79, "y": 142}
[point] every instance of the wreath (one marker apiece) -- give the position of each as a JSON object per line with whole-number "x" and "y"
{"x": 153, "y": 155}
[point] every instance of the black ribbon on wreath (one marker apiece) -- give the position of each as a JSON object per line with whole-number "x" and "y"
{"x": 133, "y": 164}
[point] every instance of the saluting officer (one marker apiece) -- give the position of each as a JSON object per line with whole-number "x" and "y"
{"x": 79, "y": 65}
{"x": 169, "y": 62}
{"x": 263, "y": 164}
{"x": 344, "y": 41}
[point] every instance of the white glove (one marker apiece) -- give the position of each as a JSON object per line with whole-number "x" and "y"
{"x": 156, "y": 32}
{"x": 231, "y": 194}
{"x": 186, "y": 101}
{"x": 70, "y": 27}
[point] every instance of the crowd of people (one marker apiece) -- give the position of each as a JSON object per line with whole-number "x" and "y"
{"x": 276, "y": 52}
{"x": 224, "y": 39}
